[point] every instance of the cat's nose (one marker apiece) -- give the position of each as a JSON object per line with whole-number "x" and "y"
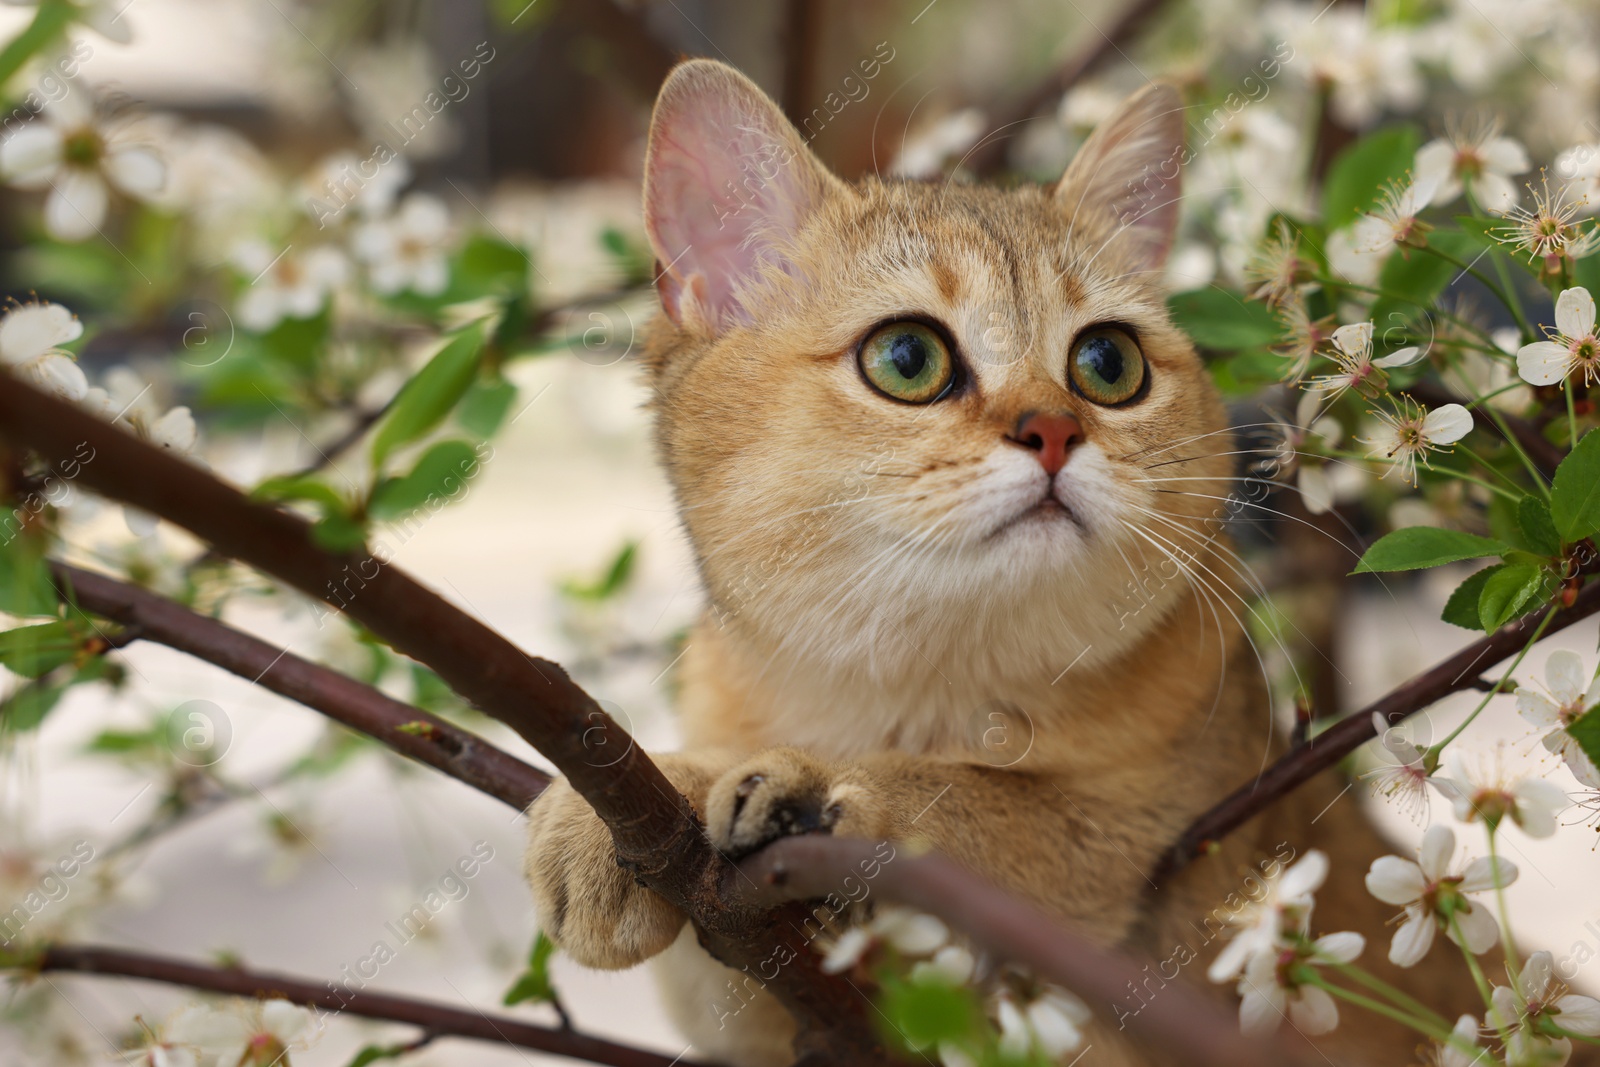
{"x": 1050, "y": 435}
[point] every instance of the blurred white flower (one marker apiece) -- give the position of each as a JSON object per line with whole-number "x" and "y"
{"x": 1270, "y": 988}
{"x": 1572, "y": 691}
{"x": 370, "y": 185}
{"x": 1432, "y": 894}
{"x": 952, "y": 964}
{"x": 1485, "y": 791}
{"x": 125, "y": 399}
{"x": 1543, "y": 998}
{"x": 1578, "y": 168}
{"x": 1277, "y": 269}
{"x": 1049, "y": 1026}
{"x": 1474, "y": 157}
{"x": 246, "y": 1033}
{"x": 1365, "y": 69}
{"x": 102, "y": 16}
{"x": 1349, "y": 262}
{"x": 29, "y": 336}
{"x": 1573, "y": 344}
{"x": 1260, "y": 925}
{"x": 1395, "y": 223}
{"x": 79, "y": 158}
{"x": 1462, "y": 1049}
{"x": 1411, "y": 431}
{"x": 407, "y": 249}
{"x": 287, "y": 285}
{"x": 923, "y": 154}
{"x": 911, "y": 933}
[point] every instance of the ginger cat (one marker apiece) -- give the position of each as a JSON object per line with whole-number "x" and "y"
{"x": 927, "y": 439}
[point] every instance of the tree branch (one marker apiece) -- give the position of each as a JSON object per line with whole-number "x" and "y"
{"x": 990, "y": 154}
{"x": 432, "y": 1018}
{"x": 657, "y": 835}
{"x": 1182, "y": 1019}
{"x": 1461, "y": 671}
{"x": 410, "y": 731}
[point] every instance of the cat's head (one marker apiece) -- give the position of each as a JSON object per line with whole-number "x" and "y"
{"x": 911, "y": 420}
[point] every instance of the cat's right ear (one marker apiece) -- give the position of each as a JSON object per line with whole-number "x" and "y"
{"x": 727, "y": 184}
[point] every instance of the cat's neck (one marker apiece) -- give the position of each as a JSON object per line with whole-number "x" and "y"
{"x": 1092, "y": 706}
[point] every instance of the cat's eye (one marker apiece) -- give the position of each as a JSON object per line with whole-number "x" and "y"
{"x": 1106, "y": 366}
{"x": 907, "y": 361}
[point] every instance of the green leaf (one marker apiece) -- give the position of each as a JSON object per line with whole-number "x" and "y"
{"x": 1585, "y": 729}
{"x": 25, "y": 585}
{"x": 1416, "y": 547}
{"x": 1462, "y": 607}
{"x": 484, "y": 407}
{"x": 1215, "y": 318}
{"x": 374, "y": 1053}
{"x": 124, "y": 742}
{"x": 25, "y": 709}
{"x": 1417, "y": 280}
{"x": 339, "y": 533}
{"x": 32, "y": 651}
{"x": 486, "y": 265}
{"x": 1538, "y": 531}
{"x": 427, "y": 398}
{"x": 924, "y": 1013}
{"x": 534, "y": 983}
{"x": 610, "y": 583}
{"x": 441, "y": 474}
{"x": 297, "y": 342}
{"x": 1511, "y": 591}
{"x": 49, "y": 21}
{"x": 1359, "y": 173}
{"x": 1575, "y": 493}
{"x": 307, "y": 487}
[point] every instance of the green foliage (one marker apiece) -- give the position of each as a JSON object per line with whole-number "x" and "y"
{"x": 427, "y": 398}
{"x": 533, "y": 984}
{"x": 486, "y": 405}
{"x": 33, "y": 651}
{"x": 1412, "y": 284}
{"x": 1513, "y": 590}
{"x": 50, "y": 21}
{"x": 1358, "y": 175}
{"x": 608, "y": 584}
{"x": 921, "y": 1014}
{"x": 1462, "y": 607}
{"x": 1217, "y": 319}
{"x": 1538, "y": 530}
{"x": 1416, "y": 547}
{"x": 25, "y": 586}
{"x": 1586, "y": 731}
{"x": 440, "y": 475}
{"x": 1575, "y": 493}
{"x": 374, "y": 1053}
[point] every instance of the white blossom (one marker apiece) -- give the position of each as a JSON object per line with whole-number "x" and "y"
{"x": 1270, "y": 988}
{"x": 80, "y": 159}
{"x": 1542, "y": 998}
{"x": 407, "y": 249}
{"x": 1049, "y": 1025}
{"x": 1261, "y": 925}
{"x": 1408, "y": 433}
{"x": 1573, "y": 344}
{"x": 1570, "y": 692}
{"x": 1483, "y": 790}
{"x": 1475, "y": 157}
{"x": 1432, "y": 893}
{"x": 1395, "y": 223}
{"x": 286, "y": 284}
{"x": 29, "y": 338}
{"x": 1352, "y": 351}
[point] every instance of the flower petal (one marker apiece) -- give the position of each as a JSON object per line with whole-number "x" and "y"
{"x": 1353, "y": 340}
{"x": 30, "y": 157}
{"x": 174, "y": 430}
{"x": 1565, "y": 676}
{"x": 1261, "y": 1008}
{"x": 29, "y": 331}
{"x": 1313, "y": 1011}
{"x": 1433, "y": 856}
{"x": 77, "y": 204}
{"x": 1543, "y": 362}
{"x": 1537, "y": 708}
{"x": 1435, "y": 161}
{"x": 59, "y": 374}
{"x": 1413, "y": 939}
{"x": 1400, "y": 357}
{"x": 1479, "y": 931}
{"x": 283, "y": 1020}
{"x": 846, "y": 952}
{"x": 1504, "y": 156}
{"x": 1053, "y": 1031}
{"x": 1579, "y": 1014}
{"x": 1495, "y": 192}
{"x": 1304, "y": 877}
{"x": 137, "y": 171}
{"x": 1483, "y": 872}
{"x": 1342, "y": 947}
{"x": 1538, "y": 974}
{"x": 1447, "y": 424}
{"x": 1575, "y": 312}
{"x": 1395, "y": 881}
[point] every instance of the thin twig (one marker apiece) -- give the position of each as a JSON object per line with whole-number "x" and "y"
{"x": 410, "y": 731}
{"x": 1303, "y": 762}
{"x": 435, "y": 1019}
{"x": 1182, "y": 1018}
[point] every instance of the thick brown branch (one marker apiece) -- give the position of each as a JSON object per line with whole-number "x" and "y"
{"x": 432, "y": 1018}
{"x": 655, "y": 830}
{"x": 1461, "y": 671}
{"x": 410, "y": 731}
{"x": 1182, "y": 1019}
{"x": 990, "y": 154}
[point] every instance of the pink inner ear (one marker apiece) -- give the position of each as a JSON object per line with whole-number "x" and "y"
{"x": 725, "y": 186}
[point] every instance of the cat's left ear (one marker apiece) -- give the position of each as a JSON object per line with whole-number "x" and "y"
{"x": 1129, "y": 167}
{"x": 727, "y": 184}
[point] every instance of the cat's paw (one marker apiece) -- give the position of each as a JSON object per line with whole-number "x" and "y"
{"x": 779, "y": 793}
{"x": 589, "y": 906}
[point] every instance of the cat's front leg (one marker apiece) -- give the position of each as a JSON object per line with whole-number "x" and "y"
{"x": 588, "y": 905}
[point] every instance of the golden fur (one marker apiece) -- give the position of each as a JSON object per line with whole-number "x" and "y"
{"x": 873, "y": 616}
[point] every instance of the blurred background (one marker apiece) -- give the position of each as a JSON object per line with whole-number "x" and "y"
{"x": 516, "y": 135}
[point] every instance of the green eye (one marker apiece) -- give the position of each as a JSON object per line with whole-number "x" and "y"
{"x": 1106, "y": 366}
{"x": 907, "y": 361}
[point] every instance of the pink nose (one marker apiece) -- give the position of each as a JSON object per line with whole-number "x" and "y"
{"x": 1049, "y": 435}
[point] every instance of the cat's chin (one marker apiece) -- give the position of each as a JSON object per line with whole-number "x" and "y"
{"x": 1048, "y": 517}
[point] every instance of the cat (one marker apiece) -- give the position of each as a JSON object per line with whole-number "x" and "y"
{"x": 947, "y": 467}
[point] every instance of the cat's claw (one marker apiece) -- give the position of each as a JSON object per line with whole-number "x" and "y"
{"x": 780, "y": 793}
